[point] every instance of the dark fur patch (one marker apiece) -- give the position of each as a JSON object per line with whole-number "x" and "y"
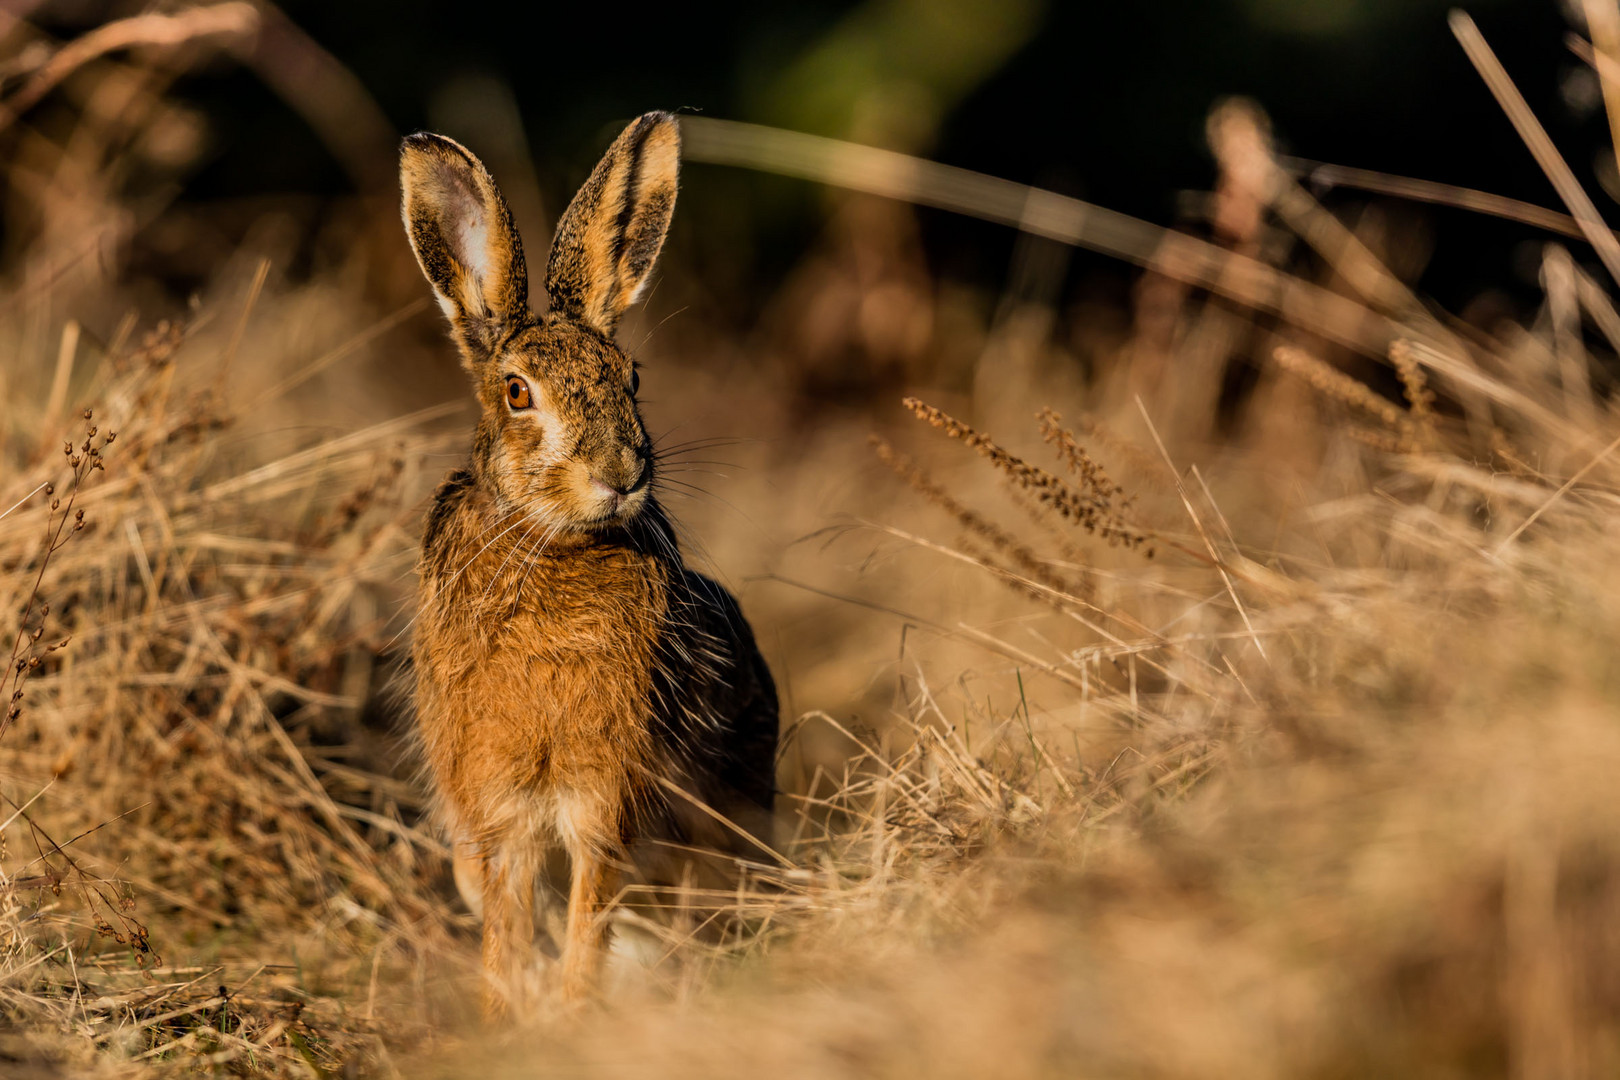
{"x": 629, "y": 202}
{"x": 445, "y": 500}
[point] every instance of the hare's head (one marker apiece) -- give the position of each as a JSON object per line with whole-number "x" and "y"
{"x": 561, "y": 439}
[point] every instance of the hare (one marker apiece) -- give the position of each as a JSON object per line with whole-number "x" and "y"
{"x": 574, "y": 681}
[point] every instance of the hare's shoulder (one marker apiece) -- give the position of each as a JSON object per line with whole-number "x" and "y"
{"x": 450, "y": 498}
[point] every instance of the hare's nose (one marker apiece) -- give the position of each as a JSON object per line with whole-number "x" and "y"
{"x": 621, "y": 481}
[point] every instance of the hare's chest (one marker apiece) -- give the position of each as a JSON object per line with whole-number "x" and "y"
{"x": 552, "y": 694}
{"x": 584, "y": 622}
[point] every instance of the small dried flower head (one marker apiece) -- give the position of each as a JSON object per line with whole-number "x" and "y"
{"x": 1097, "y": 506}
{"x": 50, "y": 489}
{"x": 1027, "y": 562}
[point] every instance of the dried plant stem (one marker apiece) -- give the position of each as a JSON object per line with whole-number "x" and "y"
{"x": 232, "y": 19}
{"x": 1563, "y": 489}
{"x": 1603, "y": 23}
{"x": 25, "y": 658}
{"x": 1216, "y": 561}
{"x": 1092, "y": 508}
{"x": 1185, "y": 258}
{"x": 1329, "y": 381}
{"x": 1428, "y": 191}
{"x": 1419, "y": 397}
{"x": 970, "y": 520}
{"x": 1536, "y": 139}
{"x": 261, "y": 273}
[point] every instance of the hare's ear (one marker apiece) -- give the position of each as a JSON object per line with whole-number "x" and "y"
{"x": 464, "y": 238}
{"x": 609, "y": 237}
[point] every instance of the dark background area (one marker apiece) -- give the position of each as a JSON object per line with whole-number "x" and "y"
{"x": 1104, "y": 101}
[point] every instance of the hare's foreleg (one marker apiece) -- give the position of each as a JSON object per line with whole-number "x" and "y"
{"x": 595, "y": 879}
{"x": 467, "y": 867}
{"x": 508, "y": 901}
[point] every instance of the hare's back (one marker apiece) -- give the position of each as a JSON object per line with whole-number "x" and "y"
{"x": 716, "y": 698}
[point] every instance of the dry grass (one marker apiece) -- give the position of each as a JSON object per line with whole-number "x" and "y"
{"x": 1320, "y": 788}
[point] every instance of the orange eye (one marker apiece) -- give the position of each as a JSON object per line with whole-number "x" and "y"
{"x": 517, "y": 393}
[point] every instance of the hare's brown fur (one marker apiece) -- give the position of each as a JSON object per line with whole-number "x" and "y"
{"x": 570, "y": 670}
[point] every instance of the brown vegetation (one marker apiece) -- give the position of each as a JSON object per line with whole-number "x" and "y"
{"x": 1323, "y": 788}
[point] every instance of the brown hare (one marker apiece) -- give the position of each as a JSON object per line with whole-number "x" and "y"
{"x": 574, "y": 681}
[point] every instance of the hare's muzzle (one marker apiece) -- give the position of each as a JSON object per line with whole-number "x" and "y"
{"x": 619, "y": 480}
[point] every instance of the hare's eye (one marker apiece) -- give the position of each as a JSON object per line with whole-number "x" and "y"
{"x": 635, "y": 381}
{"x": 517, "y": 393}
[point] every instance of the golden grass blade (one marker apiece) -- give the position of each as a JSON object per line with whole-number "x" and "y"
{"x": 1569, "y": 351}
{"x": 1555, "y": 496}
{"x": 65, "y": 354}
{"x": 1437, "y": 194}
{"x": 228, "y": 20}
{"x": 1209, "y": 545}
{"x": 717, "y": 816}
{"x": 1156, "y": 641}
{"x": 1536, "y": 139}
{"x": 260, "y": 274}
{"x": 37, "y": 489}
{"x": 1043, "y": 213}
{"x": 348, "y": 348}
{"x": 1603, "y": 23}
{"x": 1599, "y": 306}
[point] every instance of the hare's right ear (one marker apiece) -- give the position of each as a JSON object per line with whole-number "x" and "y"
{"x": 464, "y": 239}
{"x": 610, "y": 235}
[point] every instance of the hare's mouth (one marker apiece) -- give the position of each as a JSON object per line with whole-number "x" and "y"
{"x": 613, "y": 502}
{"x": 614, "y": 507}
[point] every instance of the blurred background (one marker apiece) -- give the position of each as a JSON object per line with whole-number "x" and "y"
{"x": 1277, "y": 723}
{"x": 1106, "y": 102}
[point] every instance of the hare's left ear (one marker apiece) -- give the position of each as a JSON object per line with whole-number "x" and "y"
{"x": 465, "y": 241}
{"x": 610, "y": 235}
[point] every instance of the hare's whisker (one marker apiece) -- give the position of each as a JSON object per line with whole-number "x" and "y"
{"x": 495, "y": 578}
{"x": 519, "y": 513}
{"x": 702, "y": 461}
{"x": 533, "y": 560}
{"x": 678, "y": 311}
{"x": 701, "y": 472}
{"x": 662, "y": 451}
